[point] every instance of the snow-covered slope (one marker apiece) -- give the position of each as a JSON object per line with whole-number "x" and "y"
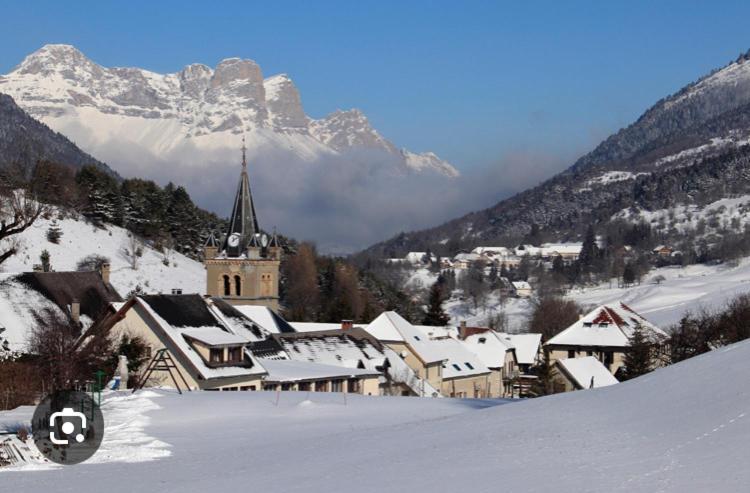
{"x": 196, "y": 108}
{"x": 683, "y": 428}
{"x": 81, "y": 238}
{"x": 683, "y": 290}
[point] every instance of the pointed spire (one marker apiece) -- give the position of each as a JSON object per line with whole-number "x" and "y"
{"x": 244, "y": 159}
{"x": 243, "y": 224}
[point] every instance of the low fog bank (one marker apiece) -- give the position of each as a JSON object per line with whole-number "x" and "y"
{"x": 341, "y": 202}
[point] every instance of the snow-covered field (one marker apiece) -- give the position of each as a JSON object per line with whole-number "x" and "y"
{"x": 81, "y": 238}
{"x": 684, "y": 428}
{"x": 683, "y": 290}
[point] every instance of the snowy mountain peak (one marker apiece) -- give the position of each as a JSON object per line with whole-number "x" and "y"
{"x": 199, "y": 107}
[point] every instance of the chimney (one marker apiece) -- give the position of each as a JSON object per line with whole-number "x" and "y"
{"x": 104, "y": 271}
{"x": 347, "y": 324}
{"x": 462, "y": 330}
{"x": 75, "y": 311}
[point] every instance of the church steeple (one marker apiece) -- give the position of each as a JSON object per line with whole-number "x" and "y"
{"x": 243, "y": 224}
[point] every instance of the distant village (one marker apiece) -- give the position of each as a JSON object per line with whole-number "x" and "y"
{"x": 232, "y": 338}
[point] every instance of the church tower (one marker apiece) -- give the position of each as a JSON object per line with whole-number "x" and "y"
{"x": 243, "y": 268}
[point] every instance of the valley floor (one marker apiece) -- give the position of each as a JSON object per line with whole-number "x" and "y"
{"x": 684, "y": 428}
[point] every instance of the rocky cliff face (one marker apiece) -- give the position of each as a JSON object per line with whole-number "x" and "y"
{"x": 204, "y": 107}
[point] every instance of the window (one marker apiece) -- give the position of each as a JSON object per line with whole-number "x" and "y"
{"x": 148, "y": 352}
{"x": 235, "y": 354}
{"x": 248, "y": 387}
{"x": 587, "y": 324}
{"x": 227, "y": 286}
{"x": 336, "y": 385}
{"x": 353, "y": 386}
{"x": 303, "y": 386}
{"x": 216, "y": 355}
{"x": 458, "y": 368}
{"x": 468, "y": 365}
{"x": 482, "y": 340}
{"x": 417, "y": 338}
{"x": 603, "y": 324}
{"x": 265, "y": 284}
{"x": 237, "y": 286}
{"x": 571, "y": 353}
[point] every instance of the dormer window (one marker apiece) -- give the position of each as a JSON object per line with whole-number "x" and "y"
{"x": 468, "y": 365}
{"x": 417, "y": 338}
{"x": 458, "y": 368}
{"x": 234, "y": 354}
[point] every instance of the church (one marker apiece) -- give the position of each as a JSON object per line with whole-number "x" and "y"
{"x": 242, "y": 267}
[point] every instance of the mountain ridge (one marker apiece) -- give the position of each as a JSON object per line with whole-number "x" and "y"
{"x": 707, "y": 121}
{"x": 207, "y": 107}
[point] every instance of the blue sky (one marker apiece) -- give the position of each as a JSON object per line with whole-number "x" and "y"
{"x": 472, "y": 81}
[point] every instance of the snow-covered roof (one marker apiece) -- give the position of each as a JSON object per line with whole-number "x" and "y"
{"x": 434, "y": 331}
{"x": 417, "y": 257}
{"x": 489, "y": 347}
{"x": 174, "y": 314}
{"x": 265, "y": 318}
{"x": 521, "y": 285}
{"x": 350, "y": 348}
{"x": 587, "y": 370}
{"x": 607, "y": 325}
{"x": 526, "y": 346}
{"x": 499, "y": 250}
{"x": 313, "y": 326}
{"x": 214, "y": 336}
{"x": 392, "y": 327}
{"x": 26, "y": 296}
{"x": 467, "y": 257}
{"x": 296, "y": 371}
{"x": 458, "y": 360}
{"x": 548, "y": 249}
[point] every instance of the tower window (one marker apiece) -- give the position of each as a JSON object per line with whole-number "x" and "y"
{"x": 237, "y": 286}
{"x": 265, "y": 284}
{"x": 227, "y": 286}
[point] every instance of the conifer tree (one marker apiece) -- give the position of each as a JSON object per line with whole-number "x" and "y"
{"x": 54, "y": 233}
{"x": 436, "y": 316}
{"x": 45, "y": 259}
{"x": 638, "y": 358}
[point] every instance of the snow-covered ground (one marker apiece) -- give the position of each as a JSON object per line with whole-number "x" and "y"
{"x": 684, "y": 428}
{"x": 683, "y": 290}
{"x": 81, "y": 238}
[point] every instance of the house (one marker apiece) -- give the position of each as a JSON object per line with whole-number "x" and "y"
{"x": 663, "y": 251}
{"x": 581, "y": 373}
{"x": 205, "y": 351}
{"x": 498, "y": 354}
{"x": 522, "y": 289}
{"x": 78, "y": 298}
{"x": 352, "y": 348}
{"x": 603, "y": 333}
{"x": 568, "y": 252}
{"x": 412, "y": 345}
{"x": 212, "y": 344}
{"x": 420, "y": 258}
{"x": 527, "y": 349}
{"x": 463, "y": 373}
{"x": 464, "y": 260}
{"x": 446, "y": 263}
{"x": 440, "y": 360}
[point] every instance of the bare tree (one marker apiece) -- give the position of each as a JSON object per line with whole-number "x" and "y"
{"x": 18, "y": 211}
{"x": 132, "y": 250}
{"x": 62, "y": 363}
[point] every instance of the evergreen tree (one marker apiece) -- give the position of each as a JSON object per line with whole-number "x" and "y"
{"x": 628, "y": 274}
{"x": 589, "y": 250}
{"x": 45, "y": 259}
{"x": 54, "y": 233}
{"x": 638, "y": 359}
{"x": 436, "y": 316}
